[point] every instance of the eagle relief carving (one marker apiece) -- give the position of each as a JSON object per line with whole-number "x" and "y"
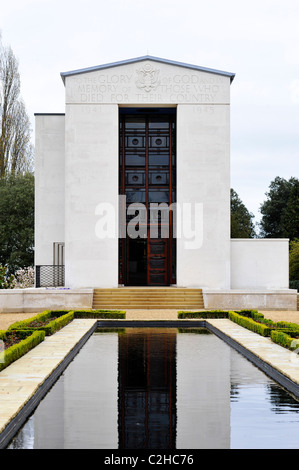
{"x": 148, "y": 78}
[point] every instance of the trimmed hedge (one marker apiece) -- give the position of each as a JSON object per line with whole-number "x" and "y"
{"x": 203, "y": 314}
{"x": 102, "y": 313}
{"x": 284, "y": 333}
{"x": 219, "y": 314}
{"x": 64, "y": 317}
{"x": 250, "y": 324}
{"x": 29, "y": 340}
{"x": 284, "y": 339}
{"x": 291, "y": 326}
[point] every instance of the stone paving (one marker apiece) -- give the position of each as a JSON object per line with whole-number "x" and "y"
{"x": 283, "y": 360}
{"x": 20, "y": 381}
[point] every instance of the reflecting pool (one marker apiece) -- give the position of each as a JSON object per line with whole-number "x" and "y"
{"x": 161, "y": 388}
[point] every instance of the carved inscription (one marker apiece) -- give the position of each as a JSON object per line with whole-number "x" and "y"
{"x": 146, "y": 85}
{"x": 96, "y": 89}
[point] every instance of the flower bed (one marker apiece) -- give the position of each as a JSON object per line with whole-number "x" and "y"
{"x": 250, "y": 323}
{"x": 18, "y": 343}
{"x": 11, "y": 338}
{"x": 25, "y": 335}
{"x": 48, "y": 321}
{"x": 285, "y": 334}
{"x": 287, "y": 340}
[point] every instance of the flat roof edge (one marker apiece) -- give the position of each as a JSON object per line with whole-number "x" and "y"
{"x": 147, "y": 57}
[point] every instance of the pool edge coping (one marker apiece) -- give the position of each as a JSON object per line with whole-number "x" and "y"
{"x": 17, "y": 421}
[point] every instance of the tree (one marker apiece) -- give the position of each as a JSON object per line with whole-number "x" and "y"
{"x": 294, "y": 260}
{"x": 17, "y": 221}
{"x": 16, "y": 151}
{"x": 280, "y": 212}
{"x": 242, "y": 225}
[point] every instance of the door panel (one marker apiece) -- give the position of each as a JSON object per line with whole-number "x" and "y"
{"x": 147, "y": 175}
{"x": 157, "y": 262}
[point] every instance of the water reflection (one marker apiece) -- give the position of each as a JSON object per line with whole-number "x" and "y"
{"x": 147, "y": 390}
{"x": 161, "y": 389}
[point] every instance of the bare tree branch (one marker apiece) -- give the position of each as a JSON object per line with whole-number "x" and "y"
{"x": 16, "y": 151}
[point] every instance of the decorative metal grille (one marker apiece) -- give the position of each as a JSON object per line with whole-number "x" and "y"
{"x": 49, "y": 276}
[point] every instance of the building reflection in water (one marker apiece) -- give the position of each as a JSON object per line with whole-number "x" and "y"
{"x": 161, "y": 389}
{"x": 147, "y": 389}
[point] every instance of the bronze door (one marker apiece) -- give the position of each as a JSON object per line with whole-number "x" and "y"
{"x": 147, "y": 177}
{"x": 157, "y": 262}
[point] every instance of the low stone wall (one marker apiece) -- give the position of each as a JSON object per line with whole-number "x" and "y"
{"x": 37, "y": 300}
{"x": 285, "y": 299}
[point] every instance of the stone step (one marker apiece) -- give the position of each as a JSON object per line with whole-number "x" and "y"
{"x": 147, "y": 291}
{"x": 153, "y": 302}
{"x": 145, "y": 306}
{"x": 148, "y": 298}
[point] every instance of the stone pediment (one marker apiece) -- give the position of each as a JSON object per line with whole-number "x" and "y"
{"x": 147, "y": 80}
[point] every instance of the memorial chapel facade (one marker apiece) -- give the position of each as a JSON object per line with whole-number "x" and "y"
{"x": 133, "y": 183}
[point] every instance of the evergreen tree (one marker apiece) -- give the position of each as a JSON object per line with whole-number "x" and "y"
{"x": 242, "y": 225}
{"x": 17, "y": 221}
{"x": 280, "y": 212}
{"x": 294, "y": 260}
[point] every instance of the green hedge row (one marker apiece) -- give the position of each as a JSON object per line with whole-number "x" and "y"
{"x": 116, "y": 314}
{"x": 64, "y": 317}
{"x": 285, "y": 334}
{"x": 284, "y": 339}
{"x": 250, "y": 324}
{"x": 222, "y": 314}
{"x": 33, "y": 335}
{"x": 203, "y": 314}
{"x": 283, "y": 326}
{"x": 29, "y": 339}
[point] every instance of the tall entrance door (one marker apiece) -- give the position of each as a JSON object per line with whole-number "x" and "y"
{"x": 147, "y": 179}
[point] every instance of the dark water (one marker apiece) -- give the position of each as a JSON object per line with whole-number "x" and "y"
{"x": 157, "y": 388}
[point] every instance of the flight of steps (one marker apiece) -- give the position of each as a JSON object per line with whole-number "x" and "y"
{"x": 148, "y": 298}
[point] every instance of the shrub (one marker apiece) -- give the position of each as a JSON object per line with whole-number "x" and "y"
{"x": 284, "y": 339}
{"x": 294, "y": 285}
{"x": 294, "y": 260}
{"x": 249, "y": 313}
{"x": 64, "y": 317}
{"x": 6, "y": 282}
{"x": 259, "y": 317}
{"x": 250, "y": 324}
{"x": 102, "y": 313}
{"x": 203, "y": 314}
{"x": 29, "y": 339}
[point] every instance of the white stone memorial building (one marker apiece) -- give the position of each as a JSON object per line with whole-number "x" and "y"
{"x": 133, "y": 188}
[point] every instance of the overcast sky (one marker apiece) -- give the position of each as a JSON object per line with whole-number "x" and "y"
{"x": 256, "y": 40}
